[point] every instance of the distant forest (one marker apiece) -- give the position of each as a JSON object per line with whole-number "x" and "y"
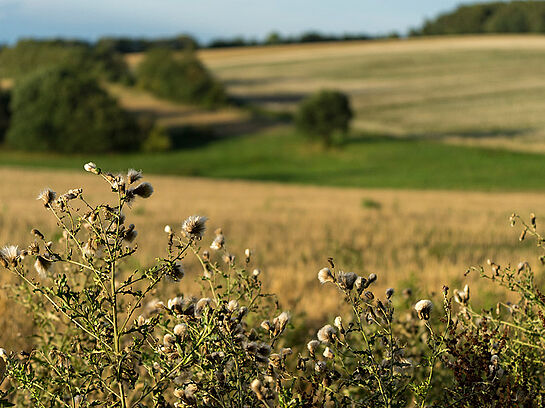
{"x": 498, "y": 17}
{"x": 521, "y": 16}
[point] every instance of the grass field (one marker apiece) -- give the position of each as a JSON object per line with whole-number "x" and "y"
{"x": 280, "y": 154}
{"x": 409, "y": 238}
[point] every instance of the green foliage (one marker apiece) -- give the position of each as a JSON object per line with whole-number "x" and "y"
{"x": 324, "y": 113}
{"x": 4, "y": 113}
{"x": 283, "y": 155}
{"x": 158, "y": 140}
{"x": 181, "y": 78}
{"x": 28, "y": 55}
{"x": 60, "y": 110}
{"x": 497, "y": 17}
{"x": 127, "y": 45}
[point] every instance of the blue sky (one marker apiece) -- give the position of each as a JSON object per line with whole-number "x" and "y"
{"x": 208, "y": 19}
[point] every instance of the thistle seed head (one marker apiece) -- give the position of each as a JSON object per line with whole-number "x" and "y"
{"x": 325, "y": 275}
{"x": 423, "y": 309}
{"x": 194, "y": 226}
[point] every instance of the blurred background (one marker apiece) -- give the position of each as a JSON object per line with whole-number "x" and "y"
{"x": 396, "y": 137}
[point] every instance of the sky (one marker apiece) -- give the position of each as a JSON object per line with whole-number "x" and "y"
{"x": 209, "y": 19}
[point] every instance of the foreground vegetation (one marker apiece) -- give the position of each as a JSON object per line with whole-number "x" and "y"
{"x": 103, "y": 339}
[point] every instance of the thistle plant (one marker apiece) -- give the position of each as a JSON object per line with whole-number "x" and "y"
{"x": 104, "y": 336}
{"x": 102, "y": 339}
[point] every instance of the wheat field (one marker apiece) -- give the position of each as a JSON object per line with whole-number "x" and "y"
{"x": 483, "y": 90}
{"x": 417, "y": 239}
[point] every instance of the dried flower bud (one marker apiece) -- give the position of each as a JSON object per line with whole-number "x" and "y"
{"x": 91, "y": 168}
{"x": 389, "y": 293}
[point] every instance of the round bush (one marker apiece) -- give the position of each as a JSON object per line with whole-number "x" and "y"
{"x": 181, "y": 78}
{"x": 324, "y": 113}
{"x": 60, "y": 110}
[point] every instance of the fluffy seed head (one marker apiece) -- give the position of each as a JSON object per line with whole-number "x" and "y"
{"x": 326, "y": 333}
{"x": 218, "y": 242}
{"x": 347, "y": 280}
{"x": 194, "y": 226}
{"x": 423, "y": 309}
{"x": 279, "y": 323}
{"x": 339, "y": 323}
{"x": 143, "y": 190}
{"x": 10, "y": 254}
{"x": 232, "y": 305}
{"x": 325, "y": 275}
{"x": 47, "y": 196}
{"x": 328, "y": 353}
{"x": 42, "y": 266}
{"x": 180, "y": 329}
{"x": 133, "y": 175}
{"x": 168, "y": 229}
{"x": 312, "y": 346}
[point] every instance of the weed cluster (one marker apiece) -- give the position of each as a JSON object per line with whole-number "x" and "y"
{"x": 104, "y": 338}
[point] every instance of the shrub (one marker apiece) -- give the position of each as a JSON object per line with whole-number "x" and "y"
{"x": 181, "y": 78}
{"x": 64, "y": 111}
{"x": 324, "y": 113}
{"x": 158, "y": 140}
{"x": 4, "y": 113}
{"x": 105, "y": 340}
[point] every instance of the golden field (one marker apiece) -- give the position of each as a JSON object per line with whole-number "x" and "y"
{"x": 418, "y": 239}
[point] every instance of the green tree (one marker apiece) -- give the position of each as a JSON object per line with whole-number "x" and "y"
{"x": 4, "y": 113}
{"x": 323, "y": 114}
{"x": 181, "y": 78}
{"x": 59, "y": 109}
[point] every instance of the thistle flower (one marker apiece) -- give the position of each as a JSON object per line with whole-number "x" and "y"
{"x": 320, "y": 366}
{"x": 257, "y": 388}
{"x": 168, "y": 229}
{"x": 279, "y": 323}
{"x": 325, "y": 275}
{"x": 10, "y": 254}
{"x": 371, "y": 278}
{"x": 312, "y": 346}
{"x": 265, "y": 324}
{"x": 232, "y": 305}
{"x": 339, "y": 323}
{"x": 201, "y": 304}
{"x": 194, "y": 226}
{"x": 423, "y": 309}
{"x": 328, "y": 353}
{"x": 130, "y": 233}
{"x": 218, "y": 242}
{"x": 47, "y": 196}
{"x": 175, "y": 303}
{"x": 37, "y": 233}
{"x": 346, "y": 280}
{"x": 326, "y": 333}
{"x": 168, "y": 340}
{"x": 248, "y": 254}
{"x": 389, "y": 293}
{"x": 143, "y": 190}
{"x": 133, "y": 175}
{"x": 91, "y": 168}
{"x": 42, "y": 266}
{"x": 180, "y": 329}
{"x": 256, "y": 272}
{"x": 175, "y": 272}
